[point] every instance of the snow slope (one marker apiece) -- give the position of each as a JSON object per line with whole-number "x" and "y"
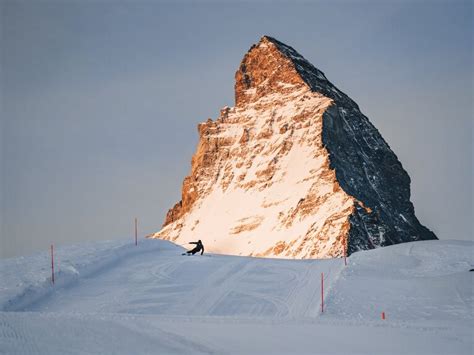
{"x": 117, "y": 298}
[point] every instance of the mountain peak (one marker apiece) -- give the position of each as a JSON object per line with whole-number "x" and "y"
{"x": 270, "y": 66}
{"x": 294, "y": 170}
{"x": 266, "y": 68}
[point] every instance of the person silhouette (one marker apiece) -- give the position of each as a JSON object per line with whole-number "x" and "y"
{"x": 199, "y": 248}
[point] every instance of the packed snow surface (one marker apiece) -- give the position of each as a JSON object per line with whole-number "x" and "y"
{"x": 117, "y": 298}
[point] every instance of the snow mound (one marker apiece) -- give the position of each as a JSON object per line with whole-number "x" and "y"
{"x": 419, "y": 281}
{"x": 26, "y": 280}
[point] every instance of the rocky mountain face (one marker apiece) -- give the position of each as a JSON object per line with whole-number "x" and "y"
{"x": 294, "y": 170}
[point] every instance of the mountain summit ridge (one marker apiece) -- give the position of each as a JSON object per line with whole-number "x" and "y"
{"x": 313, "y": 77}
{"x": 294, "y": 170}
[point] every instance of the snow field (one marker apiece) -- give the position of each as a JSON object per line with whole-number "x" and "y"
{"x": 150, "y": 299}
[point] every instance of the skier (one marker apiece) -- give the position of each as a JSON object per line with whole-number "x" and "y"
{"x": 199, "y": 248}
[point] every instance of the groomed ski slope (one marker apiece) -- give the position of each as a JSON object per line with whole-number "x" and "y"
{"x": 114, "y": 297}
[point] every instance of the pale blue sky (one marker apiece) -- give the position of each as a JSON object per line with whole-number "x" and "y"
{"x": 100, "y": 102}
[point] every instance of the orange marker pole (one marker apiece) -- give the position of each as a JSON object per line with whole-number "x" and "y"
{"x": 136, "y": 233}
{"x": 52, "y": 263}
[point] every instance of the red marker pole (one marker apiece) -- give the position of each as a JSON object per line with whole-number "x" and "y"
{"x": 322, "y": 292}
{"x": 136, "y": 232}
{"x": 383, "y": 315}
{"x": 52, "y": 263}
{"x": 345, "y": 253}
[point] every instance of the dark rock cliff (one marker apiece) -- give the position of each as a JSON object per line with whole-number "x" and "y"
{"x": 365, "y": 166}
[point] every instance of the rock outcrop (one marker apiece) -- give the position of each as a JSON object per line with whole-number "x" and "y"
{"x": 294, "y": 170}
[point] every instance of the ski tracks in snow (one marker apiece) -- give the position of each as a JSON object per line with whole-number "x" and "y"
{"x": 169, "y": 284}
{"x": 157, "y": 301}
{"x": 262, "y": 287}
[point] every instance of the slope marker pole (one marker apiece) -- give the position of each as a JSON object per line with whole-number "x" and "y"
{"x": 136, "y": 232}
{"x": 322, "y": 292}
{"x": 383, "y": 315}
{"x": 52, "y": 263}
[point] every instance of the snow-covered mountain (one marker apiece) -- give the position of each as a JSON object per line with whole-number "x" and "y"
{"x": 294, "y": 170}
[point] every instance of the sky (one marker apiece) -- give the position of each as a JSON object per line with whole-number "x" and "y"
{"x": 100, "y": 102}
